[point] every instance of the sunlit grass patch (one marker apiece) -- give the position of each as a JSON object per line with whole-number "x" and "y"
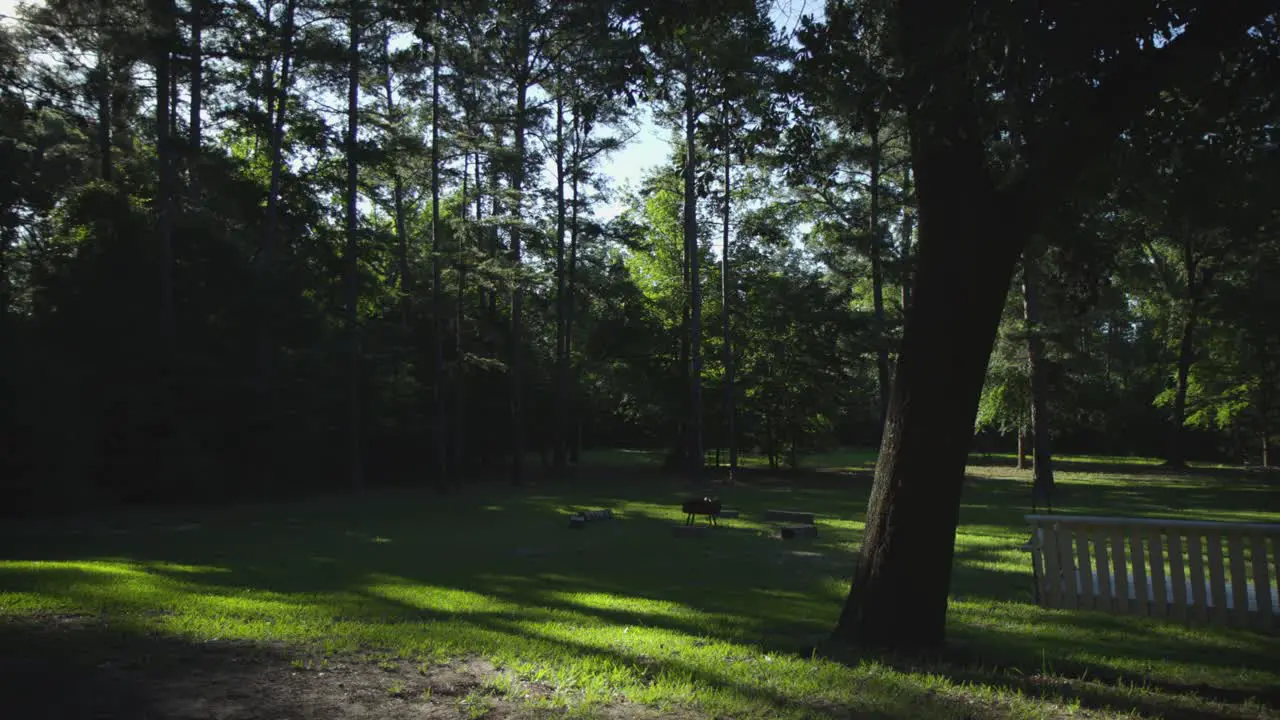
{"x": 623, "y": 611}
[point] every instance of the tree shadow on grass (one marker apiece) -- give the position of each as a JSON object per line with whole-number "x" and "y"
{"x": 75, "y": 667}
{"x": 339, "y": 550}
{"x": 1225, "y": 475}
{"x": 1083, "y": 685}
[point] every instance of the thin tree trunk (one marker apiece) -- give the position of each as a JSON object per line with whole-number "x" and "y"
{"x": 491, "y": 239}
{"x": 908, "y": 229}
{"x": 8, "y": 238}
{"x": 461, "y": 436}
{"x": 104, "y": 124}
{"x": 1264, "y": 404}
{"x": 877, "y": 278}
{"x": 267, "y": 261}
{"x": 517, "y": 288}
{"x": 1024, "y": 445}
{"x": 405, "y": 284}
{"x": 898, "y": 597}
{"x": 583, "y": 133}
{"x": 695, "y": 280}
{"x": 164, "y": 155}
{"x": 1186, "y": 356}
{"x": 104, "y": 78}
{"x": 195, "y": 122}
{"x": 560, "y": 432}
{"x": 280, "y": 105}
{"x": 437, "y": 304}
{"x": 725, "y": 316}
{"x": 355, "y": 460}
{"x": 1042, "y": 486}
{"x": 681, "y": 459}
{"x": 1264, "y": 408}
{"x": 682, "y": 448}
{"x": 173, "y": 107}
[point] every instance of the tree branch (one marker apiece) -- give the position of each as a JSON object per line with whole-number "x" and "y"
{"x": 1059, "y": 154}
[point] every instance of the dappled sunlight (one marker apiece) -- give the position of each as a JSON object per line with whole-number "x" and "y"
{"x": 623, "y": 605}
{"x": 641, "y": 607}
{"x": 432, "y": 597}
{"x": 1101, "y": 644}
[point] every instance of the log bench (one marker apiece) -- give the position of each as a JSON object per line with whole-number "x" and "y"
{"x": 1197, "y": 572}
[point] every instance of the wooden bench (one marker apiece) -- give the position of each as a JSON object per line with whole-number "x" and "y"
{"x": 1203, "y": 572}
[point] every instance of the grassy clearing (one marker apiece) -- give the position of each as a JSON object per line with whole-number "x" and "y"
{"x": 625, "y": 612}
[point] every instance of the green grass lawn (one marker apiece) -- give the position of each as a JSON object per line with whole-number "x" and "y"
{"x": 623, "y": 614}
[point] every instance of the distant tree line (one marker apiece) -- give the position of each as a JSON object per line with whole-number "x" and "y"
{"x": 261, "y": 248}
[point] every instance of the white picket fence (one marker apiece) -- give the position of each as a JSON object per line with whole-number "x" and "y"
{"x": 1217, "y": 573}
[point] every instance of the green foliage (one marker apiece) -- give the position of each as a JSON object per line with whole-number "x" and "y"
{"x": 251, "y": 395}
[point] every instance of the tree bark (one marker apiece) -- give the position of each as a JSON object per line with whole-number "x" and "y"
{"x": 582, "y": 133}
{"x": 173, "y": 107}
{"x": 104, "y": 76}
{"x": 397, "y": 193}
{"x": 695, "y": 284}
{"x": 1023, "y": 448}
{"x": 165, "y": 191}
{"x": 437, "y": 304}
{"x": 266, "y": 262}
{"x": 442, "y": 452}
{"x": 560, "y": 432}
{"x": 730, "y": 411}
{"x": 1186, "y": 355}
{"x": 898, "y": 598}
{"x": 271, "y": 238}
{"x": 877, "y": 276}
{"x": 460, "y": 435}
{"x": 1042, "y": 485}
{"x": 908, "y": 230}
{"x": 517, "y": 289}
{"x": 1264, "y": 404}
{"x": 195, "y": 122}
{"x": 354, "y": 458}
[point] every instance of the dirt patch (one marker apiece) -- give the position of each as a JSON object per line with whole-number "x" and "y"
{"x": 78, "y": 667}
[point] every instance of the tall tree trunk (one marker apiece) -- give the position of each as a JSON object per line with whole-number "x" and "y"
{"x": 405, "y": 284}
{"x": 695, "y": 281}
{"x": 898, "y": 597}
{"x": 1186, "y": 354}
{"x": 280, "y": 92}
{"x": 267, "y": 262}
{"x": 517, "y": 288}
{"x": 104, "y": 77}
{"x": 730, "y": 411}
{"x": 165, "y": 192}
{"x": 877, "y": 276}
{"x": 354, "y": 459}
{"x": 1264, "y": 401}
{"x": 173, "y": 108}
{"x": 459, "y": 340}
{"x": 461, "y": 437}
{"x": 560, "y": 432}
{"x": 437, "y": 304}
{"x": 8, "y": 238}
{"x": 491, "y": 240}
{"x": 583, "y": 133}
{"x": 908, "y": 229}
{"x": 1264, "y": 412}
{"x": 1042, "y": 485}
{"x": 195, "y": 122}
